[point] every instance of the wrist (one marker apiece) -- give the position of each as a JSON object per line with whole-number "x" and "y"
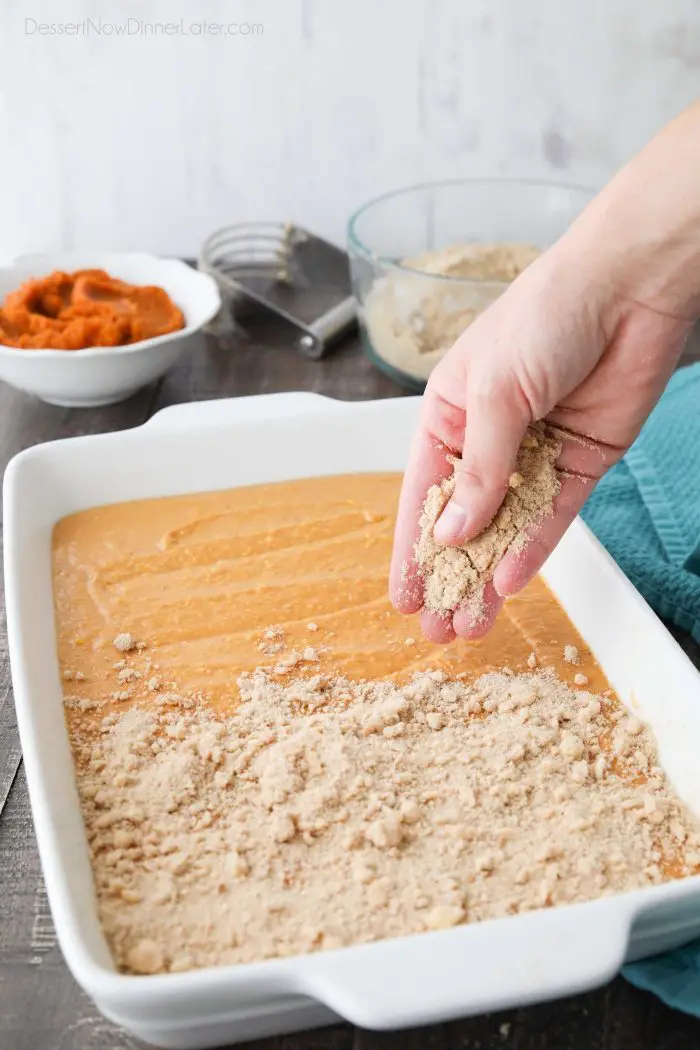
{"x": 614, "y": 292}
{"x": 639, "y": 239}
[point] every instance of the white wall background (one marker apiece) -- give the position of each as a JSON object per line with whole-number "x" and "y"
{"x": 151, "y": 142}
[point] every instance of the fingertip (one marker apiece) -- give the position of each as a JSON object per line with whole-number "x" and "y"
{"x": 507, "y": 579}
{"x": 408, "y": 599}
{"x": 437, "y": 628}
{"x": 406, "y": 588}
{"x": 517, "y": 569}
{"x": 474, "y": 625}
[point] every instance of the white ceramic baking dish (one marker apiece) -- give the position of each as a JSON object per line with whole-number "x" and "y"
{"x": 403, "y": 982}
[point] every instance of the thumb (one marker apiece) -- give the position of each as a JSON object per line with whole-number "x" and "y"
{"x": 495, "y": 427}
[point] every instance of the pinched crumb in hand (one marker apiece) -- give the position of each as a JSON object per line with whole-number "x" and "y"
{"x": 456, "y": 576}
{"x": 324, "y": 812}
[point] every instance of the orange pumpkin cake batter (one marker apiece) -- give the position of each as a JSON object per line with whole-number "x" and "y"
{"x": 198, "y": 578}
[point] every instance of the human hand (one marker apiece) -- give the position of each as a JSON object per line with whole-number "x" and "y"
{"x": 561, "y": 345}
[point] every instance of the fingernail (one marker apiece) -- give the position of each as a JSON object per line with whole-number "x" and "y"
{"x": 451, "y": 525}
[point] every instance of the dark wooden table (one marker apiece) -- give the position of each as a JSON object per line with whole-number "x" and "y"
{"x": 41, "y": 1007}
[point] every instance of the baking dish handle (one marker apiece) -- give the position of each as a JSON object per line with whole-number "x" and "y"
{"x": 472, "y": 970}
{"x": 239, "y": 409}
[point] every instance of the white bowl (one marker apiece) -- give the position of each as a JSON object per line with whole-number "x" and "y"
{"x": 106, "y": 374}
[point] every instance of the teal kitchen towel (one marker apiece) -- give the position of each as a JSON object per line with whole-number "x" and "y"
{"x": 646, "y": 512}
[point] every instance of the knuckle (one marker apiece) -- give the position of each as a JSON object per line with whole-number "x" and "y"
{"x": 443, "y": 420}
{"x": 468, "y": 476}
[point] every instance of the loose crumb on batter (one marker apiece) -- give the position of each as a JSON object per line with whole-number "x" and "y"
{"x": 124, "y": 642}
{"x": 456, "y": 576}
{"x": 324, "y": 812}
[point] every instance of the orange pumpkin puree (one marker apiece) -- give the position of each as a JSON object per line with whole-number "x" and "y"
{"x": 72, "y": 311}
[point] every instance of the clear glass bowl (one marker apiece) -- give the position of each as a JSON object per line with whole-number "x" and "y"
{"x": 478, "y": 233}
